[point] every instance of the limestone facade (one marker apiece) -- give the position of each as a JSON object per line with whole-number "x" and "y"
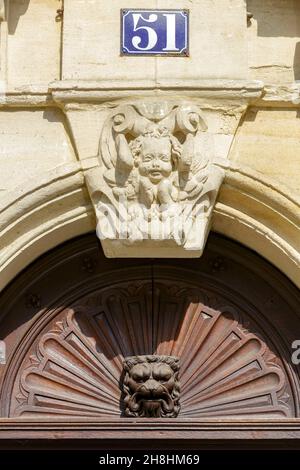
{"x": 62, "y": 75}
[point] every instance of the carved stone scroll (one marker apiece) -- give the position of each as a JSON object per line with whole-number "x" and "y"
{"x": 157, "y": 184}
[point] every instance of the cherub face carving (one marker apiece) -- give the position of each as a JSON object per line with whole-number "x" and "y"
{"x": 151, "y": 386}
{"x": 155, "y": 158}
{"x": 156, "y": 153}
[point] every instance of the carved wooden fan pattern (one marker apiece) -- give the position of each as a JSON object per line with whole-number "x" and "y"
{"x": 75, "y": 367}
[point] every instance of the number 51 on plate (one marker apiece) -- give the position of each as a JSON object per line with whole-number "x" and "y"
{"x": 155, "y": 32}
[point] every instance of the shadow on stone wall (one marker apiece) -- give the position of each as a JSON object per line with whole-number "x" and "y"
{"x": 297, "y": 62}
{"x": 17, "y": 8}
{"x": 276, "y": 17}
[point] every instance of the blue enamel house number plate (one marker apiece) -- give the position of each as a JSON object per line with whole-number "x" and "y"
{"x": 154, "y": 32}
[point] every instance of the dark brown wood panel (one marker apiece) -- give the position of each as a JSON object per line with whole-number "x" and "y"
{"x": 72, "y": 317}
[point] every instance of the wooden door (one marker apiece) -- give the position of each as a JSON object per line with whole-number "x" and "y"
{"x": 70, "y": 320}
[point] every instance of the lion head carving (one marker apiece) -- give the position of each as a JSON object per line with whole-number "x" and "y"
{"x": 151, "y": 386}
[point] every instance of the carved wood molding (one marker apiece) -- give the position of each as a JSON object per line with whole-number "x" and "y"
{"x": 133, "y": 432}
{"x": 74, "y": 367}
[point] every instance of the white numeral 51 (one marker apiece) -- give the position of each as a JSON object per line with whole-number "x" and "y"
{"x": 152, "y": 35}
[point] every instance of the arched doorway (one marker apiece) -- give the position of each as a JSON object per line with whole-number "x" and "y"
{"x": 71, "y": 319}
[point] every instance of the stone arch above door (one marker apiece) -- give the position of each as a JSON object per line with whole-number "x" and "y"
{"x": 72, "y": 317}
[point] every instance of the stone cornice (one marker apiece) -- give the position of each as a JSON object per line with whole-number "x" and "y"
{"x": 70, "y": 92}
{"x": 288, "y": 94}
{"x": 80, "y": 92}
{"x": 27, "y": 96}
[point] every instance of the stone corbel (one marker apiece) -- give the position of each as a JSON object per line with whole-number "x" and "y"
{"x": 153, "y": 163}
{"x": 157, "y": 182}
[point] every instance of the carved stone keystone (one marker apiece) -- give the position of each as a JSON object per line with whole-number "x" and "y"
{"x": 157, "y": 183}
